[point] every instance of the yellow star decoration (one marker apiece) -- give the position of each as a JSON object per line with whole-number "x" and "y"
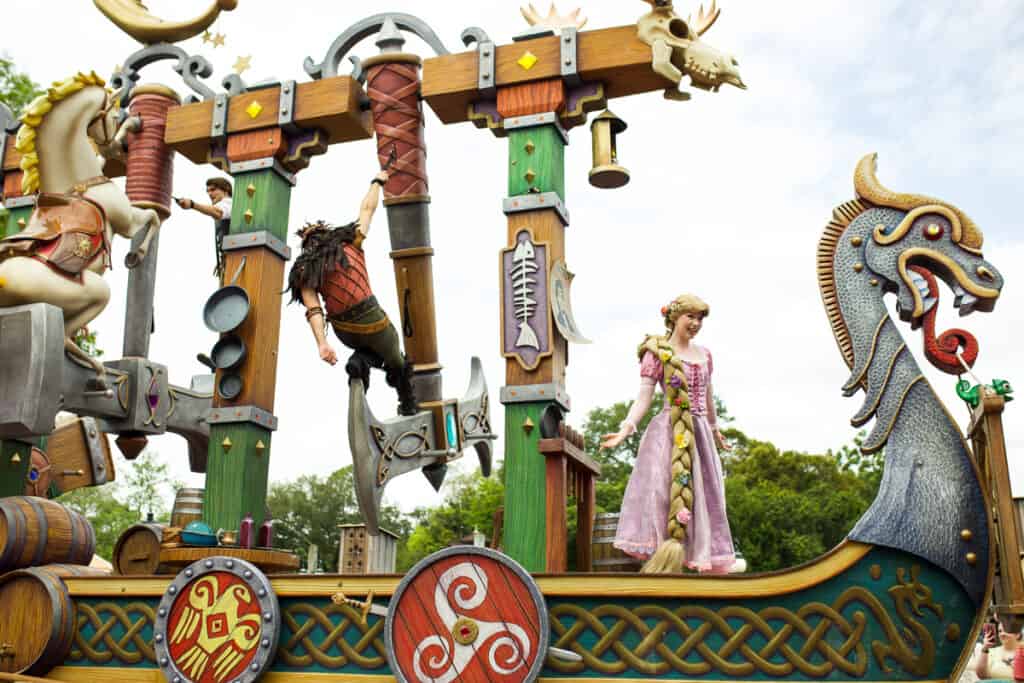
{"x": 242, "y": 64}
{"x": 206, "y": 37}
{"x": 218, "y": 40}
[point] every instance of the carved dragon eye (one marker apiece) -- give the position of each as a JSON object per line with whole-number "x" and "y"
{"x": 933, "y": 231}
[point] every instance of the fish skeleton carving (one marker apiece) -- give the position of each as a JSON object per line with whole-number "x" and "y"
{"x": 524, "y": 265}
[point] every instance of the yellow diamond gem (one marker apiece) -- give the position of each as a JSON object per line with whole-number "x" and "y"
{"x": 527, "y": 60}
{"x": 254, "y": 109}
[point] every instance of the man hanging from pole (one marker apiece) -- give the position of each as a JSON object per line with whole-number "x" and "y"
{"x": 332, "y": 267}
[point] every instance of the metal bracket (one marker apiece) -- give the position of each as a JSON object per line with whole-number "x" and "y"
{"x": 238, "y": 414}
{"x": 189, "y": 67}
{"x": 534, "y": 202}
{"x": 286, "y": 107}
{"x": 548, "y": 118}
{"x": 364, "y": 29}
{"x": 534, "y": 393}
{"x": 569, "y": 64}
{"x": 95, "y": 446}
{"x": 533, "y": 32}
{"x": 486, "y": 75}
{"x": 261, "y": 238}
{"x": 18, "y": 202}
{"x": 260, "y": 165}
{"x": 219, "y": 120}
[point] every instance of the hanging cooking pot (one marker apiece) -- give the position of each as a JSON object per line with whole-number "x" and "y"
{"x": 228, "y": 353}
{"x": 228, "y": 307}
{"x": 229, "y": 386}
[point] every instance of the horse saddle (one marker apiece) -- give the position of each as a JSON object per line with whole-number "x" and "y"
{"x": 66, "y": 232}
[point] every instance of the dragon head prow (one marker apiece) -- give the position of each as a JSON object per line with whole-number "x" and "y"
{"x": 930, "y": 234}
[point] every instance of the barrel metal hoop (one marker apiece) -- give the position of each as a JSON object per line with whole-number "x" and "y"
{"x": 16, "y": 535}
{"x": 59, "y": 645}
{"x": 44, "y": 531}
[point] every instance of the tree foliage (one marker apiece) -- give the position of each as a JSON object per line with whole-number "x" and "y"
{"x": 108, "y": 515}
{"x": 16, "y": 88}
{"x": 310, "y": 509}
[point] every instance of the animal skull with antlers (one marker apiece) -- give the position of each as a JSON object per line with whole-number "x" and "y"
{"x": 677, "y": 49}
{"x": 553, "y": 20}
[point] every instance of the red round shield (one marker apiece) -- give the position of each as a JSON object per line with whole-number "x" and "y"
{"x": 467, "y": 614}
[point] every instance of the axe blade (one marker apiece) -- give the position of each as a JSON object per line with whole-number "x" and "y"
{"x": 475, "y": 413}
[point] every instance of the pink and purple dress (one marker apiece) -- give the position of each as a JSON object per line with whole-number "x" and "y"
{"x": 643, "y": 519}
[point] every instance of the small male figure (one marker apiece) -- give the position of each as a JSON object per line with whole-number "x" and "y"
{"x": 332, "y": 266}
{"x": 219, "y": 209}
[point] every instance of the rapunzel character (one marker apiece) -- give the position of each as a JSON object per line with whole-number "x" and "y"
{"x": 673, "y": 512}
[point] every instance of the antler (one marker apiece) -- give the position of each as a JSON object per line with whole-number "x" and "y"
{"x": 704, "y": 21}
{"x": 553, "y": 20}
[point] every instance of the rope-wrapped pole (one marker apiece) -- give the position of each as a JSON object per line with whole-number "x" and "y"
{"x": 150, "y": 177}
{"x": 393, "y": 86}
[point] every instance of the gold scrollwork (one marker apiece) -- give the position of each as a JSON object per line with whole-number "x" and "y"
{"x": 816, "y": 629}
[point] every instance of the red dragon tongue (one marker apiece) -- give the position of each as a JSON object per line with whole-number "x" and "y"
{"x": 941, "y": 351}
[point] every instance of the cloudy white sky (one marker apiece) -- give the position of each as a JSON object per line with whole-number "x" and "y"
{"x": 729, "y": 194}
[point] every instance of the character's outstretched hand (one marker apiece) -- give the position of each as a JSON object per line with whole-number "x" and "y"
{"x": 185, "y": 202}
{"x": 720, "y": 441}
{"x": 610, "y": 441}
{"x": 327, "y": 354}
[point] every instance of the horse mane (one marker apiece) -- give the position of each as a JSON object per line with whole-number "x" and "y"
{"x": 33, "y": 118}
{"x": 842, "y": 216}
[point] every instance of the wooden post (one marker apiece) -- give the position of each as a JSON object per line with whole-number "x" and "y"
{"x": 262, "y": 150}
{"x": 569, "y": 469}
{"x": 989, "y": 447}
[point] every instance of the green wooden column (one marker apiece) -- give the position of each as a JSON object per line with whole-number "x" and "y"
{"x": 536, "y": 183}
{"x": 241, "y": 429}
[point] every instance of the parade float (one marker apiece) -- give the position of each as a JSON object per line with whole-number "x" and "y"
{"x": 903, "y": 598}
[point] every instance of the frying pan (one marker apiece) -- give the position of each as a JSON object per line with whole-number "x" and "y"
{"x": 228, "y": 307}
{"x": 229, "y": 386}
{"x": 228, "y": 353}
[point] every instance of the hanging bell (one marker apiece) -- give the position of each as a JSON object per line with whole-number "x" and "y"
{"x": 606, "y": 173}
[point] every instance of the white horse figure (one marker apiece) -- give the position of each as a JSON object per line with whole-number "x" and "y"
{"x": 57, "y": 137}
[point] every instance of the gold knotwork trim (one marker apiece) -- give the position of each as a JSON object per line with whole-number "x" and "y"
{"x": 318, "y": 653}
{"x": 357, "y": 328}
{"x": 114, "y": 649}
{"x": 824, "y": 640}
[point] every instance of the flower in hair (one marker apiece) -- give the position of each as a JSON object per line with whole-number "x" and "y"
{"x": 675, "y": 381}
{"x": 683, "y": 516}
{"x": 664, "y": 310}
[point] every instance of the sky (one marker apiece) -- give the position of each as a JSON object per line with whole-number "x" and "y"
{"x": 728, "y": 196}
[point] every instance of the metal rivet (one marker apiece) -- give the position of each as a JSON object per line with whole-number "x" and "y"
{"x": 208, "y": 564}
{"x": 164, "y": 661}
{"x": 487, "y": 53}
{"x": 857, "y": 241}
{"x": 966, "y": 534}
{"x": 159, "y": 638}
{"x": 568, "y": 62}
{"x": 487, "y": 77}
{"x": 189, "y": 573}
{"x": 857, "y": 267}
{"x": 248, "y": 574}
{"x": 265, "y": 643}
{"x": 230, "y": 564}
{"x": 267, "y": 616}
{"x": 285, "y": 111}
{"x": 254, "y": 667}
{"x": 873, "y": 282}
{"x": 172, "y": 590}
{"x": 971, "y": 558}
{"x": 262, "y": 593}
{"x": 568, "y": 39}
{"x": 162, "y": 612}
{"x": 220, "y": 104}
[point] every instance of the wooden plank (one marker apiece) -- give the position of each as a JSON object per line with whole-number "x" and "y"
{"x": 566, "y": 447}
{"x": 536, "y": 161}
{"x": 12, "y": 185}
{"x": 257, "y": 144}
{"x": 12, "y": 157}
{"x": 524, "y": 535}
{"x": 236, "y": 478}
{"x": 531, "y": 98}
{"x": 331, "y": 104}
{"x": 546, "y": 226}
{"x": 556, "y": 506}
{"x": 614, "y": 56}
{"x": 263, "y": 279}
{"x": 586, "y": 506}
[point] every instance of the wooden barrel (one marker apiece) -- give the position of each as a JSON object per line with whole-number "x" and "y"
{"x": 188, "y": 507}
{"x": 38, "y": 622}
{"x": 606, "y": 557}
{"x": 35, "y": 531}
{"x": 137, "y": 551}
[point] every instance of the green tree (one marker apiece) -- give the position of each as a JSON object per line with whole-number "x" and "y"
{"x": 109, "y": 516}
{"x": 310, "y": 509}
{"x": 147, "y": 487}
{"x": 16, "y": 88}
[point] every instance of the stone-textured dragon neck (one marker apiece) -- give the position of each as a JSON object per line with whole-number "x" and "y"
{"x": 930, "y": 489}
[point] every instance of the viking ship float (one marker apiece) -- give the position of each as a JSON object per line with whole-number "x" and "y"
{"x": 901, "y": 599}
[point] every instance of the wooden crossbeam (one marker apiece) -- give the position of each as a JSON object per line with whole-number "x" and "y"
{"x": 613, "y": 56}
{"x": 331, "y": 104}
